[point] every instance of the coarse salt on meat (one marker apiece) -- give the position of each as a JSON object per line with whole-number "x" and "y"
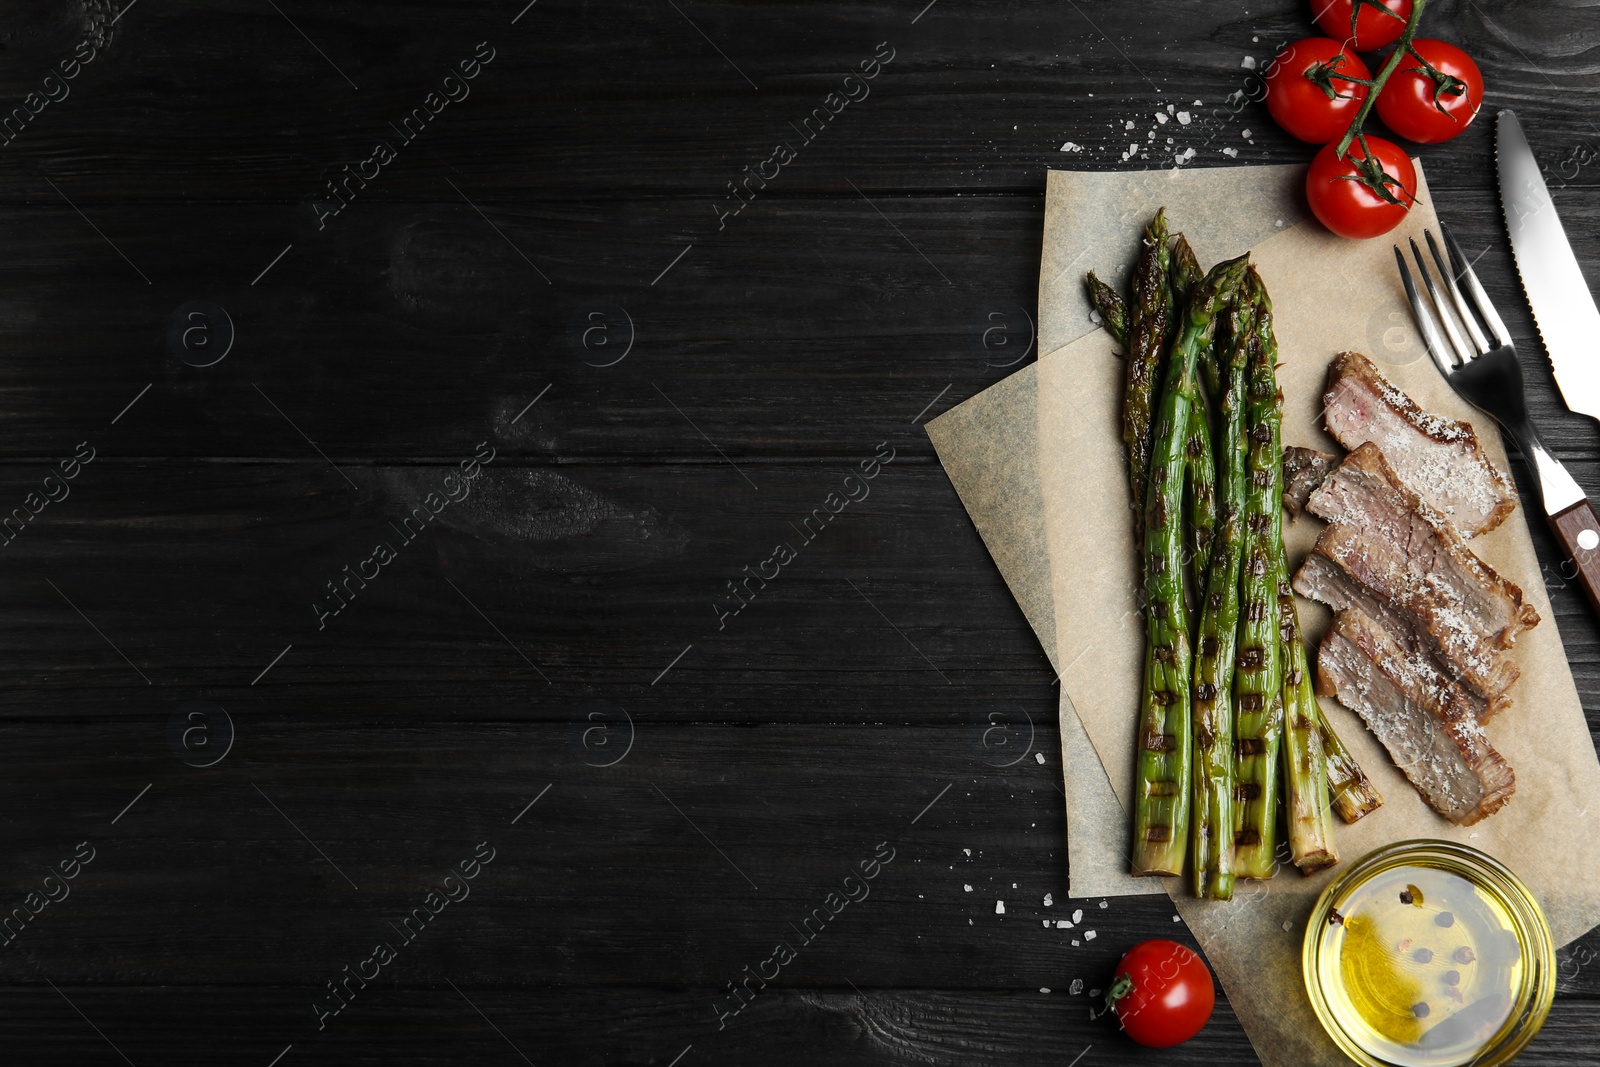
{"x": 1439, "y": 459}
{"x": 1419, "y": 715}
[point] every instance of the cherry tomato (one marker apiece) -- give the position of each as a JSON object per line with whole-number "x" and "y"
{"x": 1374, "y": 26}
{"x": 1427, "y": 110}
{"x": 1346, "y": 204}
{"x": 1162, "y": 993}
{"x": 1307, "y": 95}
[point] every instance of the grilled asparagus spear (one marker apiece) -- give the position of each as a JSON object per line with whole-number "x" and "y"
{"x": 1211, "y": 821}
{"x": 1113, "y": 312}
{"x": 1185, "y": 270}
{"x": 1149, "y": 322}
{"x": 1200, "y": 495}
{"x": 1185, "y": 273}
{"x": 1305, "y": 765}
{"x": 1257, "y": 683}
{"x": 1199, "y": 458}
{"x": 1353, "y": 792}
{"x": 1161, "y": 805}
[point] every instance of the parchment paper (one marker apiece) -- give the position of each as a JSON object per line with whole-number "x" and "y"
{"x": 1329, "y": 294}
{"x": 989, "y": 445}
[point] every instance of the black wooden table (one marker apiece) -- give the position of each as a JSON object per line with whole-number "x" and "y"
{"x": 399, "y": 399}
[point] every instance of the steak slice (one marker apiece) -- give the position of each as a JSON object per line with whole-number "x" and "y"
{"x": 1438, "y": 458}
{"x": 1413, "y": 552}
{"x": 1484, "y": 678}
{"x": 1419, "y": 715}
{"x": 1303, "y": 471}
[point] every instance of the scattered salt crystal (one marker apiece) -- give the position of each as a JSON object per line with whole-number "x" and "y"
{"x": 1129, "y": 125}
{"x": 967, "y": 887}
{"x": 1105, "y": 903}
{"x": 1076, "y": 942}
{"x": 1133, "y": 149}
{"x": 1198, "y": 103}
{"x": 1044, "y": 989}
{"x": 1063, "y": 924}
{"x": 999, "y": 907}
{"x": 1071, "y": 146}
{"x": 1151, "y": 136}
{"x": 1039, "y": 758}
{"x": 968, "y": 851}
{"x": 1169, "y": 140}
{"x": 1287, "y": 926}
{"x": 1279, "y": 224}
{"x": 1047, "y": 900}
{"x": 1013, "y": 885}
{"x": 1176, "y": 919}
{"x": 1077, "y": 915}
{"x": 1076, "y": 987}
{"x": 1184, "y": 118}
{"x": 1231, "y": 153}
{"x": 1255, "y": 39}
{"x": 1045, "y": 923}
{"x": 1246, "y": 134}
{"x": 1173, "y": 107}
{"x": 1094, "y": 317}
{"x": 1162, "y": 117}
{"x": 1248, "y": 63}
{"x": 1094, "y": 992}
{"x": 1089, "y": 935}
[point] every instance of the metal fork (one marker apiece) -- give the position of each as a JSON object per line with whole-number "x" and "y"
{"x": 1483, "y": 368}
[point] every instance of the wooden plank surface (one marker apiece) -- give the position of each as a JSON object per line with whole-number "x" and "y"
{"x": 553, "y": 665}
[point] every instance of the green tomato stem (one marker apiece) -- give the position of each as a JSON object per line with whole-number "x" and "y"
{"x": 1401, "y": 49}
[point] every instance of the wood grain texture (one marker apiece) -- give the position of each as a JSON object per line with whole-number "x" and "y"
{"x": 428, "y": 1021}
{"x": 575, "y": 607}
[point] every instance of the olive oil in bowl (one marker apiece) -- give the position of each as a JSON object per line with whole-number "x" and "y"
{"x": 1429, "y": 954}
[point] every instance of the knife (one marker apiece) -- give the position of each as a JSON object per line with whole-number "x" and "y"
{"x": 1563, "y": 309}
{"x": 1565, "y": 313}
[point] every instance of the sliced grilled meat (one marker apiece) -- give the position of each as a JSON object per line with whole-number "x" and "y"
{"x": 1482, "y": 670}
{"x": 1437, "y": 458}
{"x": 1303, "y": 471}
{"x": 1418, "y": 555}
{"x": 1420, "y": 715}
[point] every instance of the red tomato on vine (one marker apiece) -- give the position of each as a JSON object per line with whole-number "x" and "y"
{"x": 1365, "y": 25}
{"x": 1362, "y": 195}
{"x": 1312, "y": 91}
{"x": 1435, "y": 99}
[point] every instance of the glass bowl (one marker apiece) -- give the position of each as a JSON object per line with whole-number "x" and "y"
{"x": 1429, "y": 954}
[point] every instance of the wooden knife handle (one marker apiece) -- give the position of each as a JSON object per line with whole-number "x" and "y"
{"x": 1578, "y": 529}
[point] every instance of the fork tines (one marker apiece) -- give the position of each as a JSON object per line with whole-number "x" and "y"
{"x": 1442, "y": 332}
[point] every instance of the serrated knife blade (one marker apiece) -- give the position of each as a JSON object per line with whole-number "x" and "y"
{"x": 1563, "y": 307}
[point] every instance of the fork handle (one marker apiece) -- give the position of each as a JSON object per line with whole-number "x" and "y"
{"x": 1578, "y": 529}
